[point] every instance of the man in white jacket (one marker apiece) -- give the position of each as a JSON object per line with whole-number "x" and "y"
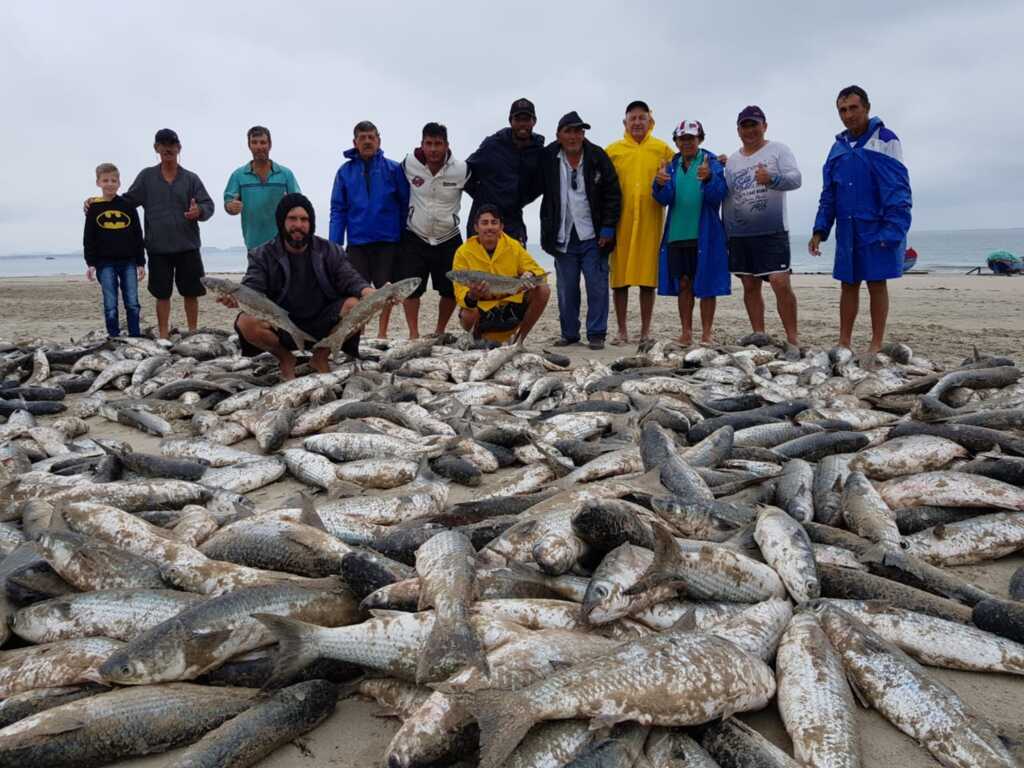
{"x": 436, "y": 180}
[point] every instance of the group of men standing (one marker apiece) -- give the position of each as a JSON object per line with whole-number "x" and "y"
{"x": 602, "y": 216}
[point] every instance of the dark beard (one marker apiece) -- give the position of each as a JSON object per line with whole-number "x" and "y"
{"x": 297, "y": 240}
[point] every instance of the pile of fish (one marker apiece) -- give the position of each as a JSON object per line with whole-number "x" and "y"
{"x": 530, "y": 563}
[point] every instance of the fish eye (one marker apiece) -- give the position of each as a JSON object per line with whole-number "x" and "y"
{"x": 601, "y": 590}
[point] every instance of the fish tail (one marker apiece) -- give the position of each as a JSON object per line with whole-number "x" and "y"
{"x": 504, "y": 718}
{"x": 450, "y": 646}
{"x": 666, "y": 562}
{"x": 296, "y": 646}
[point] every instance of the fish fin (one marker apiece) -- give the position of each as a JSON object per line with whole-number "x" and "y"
{"x": 857, "y": 692}
{"x": 52, "y": 726}
{"x": 687, "y": 622}
{"x": 386, "y": 613}
{"x": 309, "y": 515}
{"x": 667, "y": 561}
{"x": 450, "y": 644}
{"x": 296, "y": 646}
{"x": 504, "y": 719}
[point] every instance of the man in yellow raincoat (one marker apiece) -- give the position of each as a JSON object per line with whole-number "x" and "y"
{"x": 637, "y": 156}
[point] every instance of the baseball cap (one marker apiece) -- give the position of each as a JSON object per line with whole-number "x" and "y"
{"x": 752, "y": 112}
{"x": 572, "y": 120}
{"x": 637, "y": 104}
{"x": 688, "y": 128}
{"x": 522, "y": 107}
{"x": 166, "y": 136}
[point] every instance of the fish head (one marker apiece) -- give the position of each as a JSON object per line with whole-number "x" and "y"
{"x": 603, "y": 602}
{"x": 142, "y": 663}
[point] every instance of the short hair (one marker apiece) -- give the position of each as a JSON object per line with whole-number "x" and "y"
{"x": 854, "y": 90}
{"x": 364, "y": 126}
{"x": 490, "y": 208}
{"x": 435, "y": 129}
{"x": 106, "y": 168}
{"x": 257, "y": 130}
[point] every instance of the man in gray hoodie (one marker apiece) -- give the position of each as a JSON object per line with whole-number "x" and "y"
{"x": 174, "y": 201}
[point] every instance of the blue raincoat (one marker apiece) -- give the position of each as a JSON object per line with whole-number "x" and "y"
{"x": 866, "y": 194}
{"x": 369, "y": 201}
{"x": 712, "y": 278}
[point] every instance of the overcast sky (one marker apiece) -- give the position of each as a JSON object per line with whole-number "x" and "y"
{"x": 84, "y": 84}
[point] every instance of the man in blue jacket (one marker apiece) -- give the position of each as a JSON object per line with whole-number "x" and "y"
{"x": 369, "y": 203}
{"x": 506, "y": 170}
{"x": 866, "y": 193}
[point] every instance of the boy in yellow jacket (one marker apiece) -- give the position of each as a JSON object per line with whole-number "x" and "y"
{"x": 491, "y": 250}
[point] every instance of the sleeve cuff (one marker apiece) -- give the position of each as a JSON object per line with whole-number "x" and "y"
{"x": 607, "y": 232}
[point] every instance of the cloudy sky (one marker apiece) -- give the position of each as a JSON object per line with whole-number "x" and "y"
{"x": 85, "y": 84}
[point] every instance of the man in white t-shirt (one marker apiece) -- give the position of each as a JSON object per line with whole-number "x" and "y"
{"x": 758, "y": 175}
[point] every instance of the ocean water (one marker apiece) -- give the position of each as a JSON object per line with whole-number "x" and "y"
{"x": 951, "y": 251}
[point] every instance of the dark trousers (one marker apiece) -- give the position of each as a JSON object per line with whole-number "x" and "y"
{"x": 582, "y": 256}
{"x": 122, "y": 274}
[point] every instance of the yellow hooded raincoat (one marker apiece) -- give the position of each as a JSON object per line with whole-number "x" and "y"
{"x": 638, "y": 236}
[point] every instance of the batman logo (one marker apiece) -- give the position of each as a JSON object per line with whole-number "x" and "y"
{"x": 114, "y": 220}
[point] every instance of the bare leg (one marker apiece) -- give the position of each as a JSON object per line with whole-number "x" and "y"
{"x": 753, "y": 301}
{"x": 878, "y": 292}
{"x": 261, "y": 335}
{"x": 191, "y": 311}
{"x": 707, "y": 319}
{"x": 646, "y": 310}
{"x": 621, "y": 298}
{"x": 849, "y": 301}
{"x": 785, "y": 302}
{"x": 321, "y": 360}
{"x": 385, "y": 318}
{"x": 685, "y": 302}
{"x": 445, "y": 307}
{"x": 537, "y": 299}
{"x": 163, "y": 317}
{"x": 468, "y": 318}
{"x": 412, "y": 316}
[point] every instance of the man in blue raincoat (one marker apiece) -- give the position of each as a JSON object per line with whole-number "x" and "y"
{"x": 866, "y": 194}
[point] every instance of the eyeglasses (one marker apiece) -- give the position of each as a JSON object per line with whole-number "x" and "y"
{"x": 572, "y": 180}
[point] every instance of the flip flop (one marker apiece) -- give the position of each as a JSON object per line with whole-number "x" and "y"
{"x": 618, "y": 341}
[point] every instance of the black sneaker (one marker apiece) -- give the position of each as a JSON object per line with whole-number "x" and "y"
{"x": 596, "y": 344}
{"x": 565, "y": 343}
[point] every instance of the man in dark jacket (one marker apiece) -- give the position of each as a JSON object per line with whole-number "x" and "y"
{"x": 506, "y": 170}
{"x": 581, "y": 207}
{"x": 309, "y": 277}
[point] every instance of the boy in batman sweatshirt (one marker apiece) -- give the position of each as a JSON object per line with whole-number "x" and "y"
{"x": 114, "y": 250}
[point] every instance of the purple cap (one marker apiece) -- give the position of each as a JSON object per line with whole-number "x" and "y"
{"x": 752, "y": 112}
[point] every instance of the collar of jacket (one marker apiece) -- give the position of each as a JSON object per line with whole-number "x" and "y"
{"x": 248, "y": 168}
{"x": 421, "y": 158}
{"x": 629, "y": 136}
{"x": 353, "y": 154}
{"x": 873, "y": 125}
{"x": 505, "y": 136}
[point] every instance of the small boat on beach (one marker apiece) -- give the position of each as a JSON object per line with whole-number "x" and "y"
{"x": 909, "y": 260}
{"x": 1005, "y": 263}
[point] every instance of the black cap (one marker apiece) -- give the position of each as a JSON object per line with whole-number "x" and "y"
{"x": 166, "y": 137}
{"x": 522, "y": 107}
{"x": 294, "y": 200}
{"x": 572, "y": 120}
{"x": 637, "y": 103}
{"x": 752, "y": 112}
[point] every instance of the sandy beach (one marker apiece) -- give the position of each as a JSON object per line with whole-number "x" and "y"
{"x": 941, "y": 317}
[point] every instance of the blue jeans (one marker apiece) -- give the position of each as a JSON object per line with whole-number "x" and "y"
{"x": 109, "y": 275}
{"x": 582, "y": 256}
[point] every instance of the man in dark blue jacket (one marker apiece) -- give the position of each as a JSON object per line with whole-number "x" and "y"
{"x": 369, "y": 203}
{"x": 506, "y": 170}
{"x": 866, "y": 194}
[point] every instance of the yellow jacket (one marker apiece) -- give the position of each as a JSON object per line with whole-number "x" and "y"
{"x": 510, "y": 259}
{"x": 638, "y": 236}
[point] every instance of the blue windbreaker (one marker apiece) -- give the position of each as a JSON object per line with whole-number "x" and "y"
{"x": 866, "y": 194}
{"x": 369, "y": 201}
{"x": 712, "y": 278}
